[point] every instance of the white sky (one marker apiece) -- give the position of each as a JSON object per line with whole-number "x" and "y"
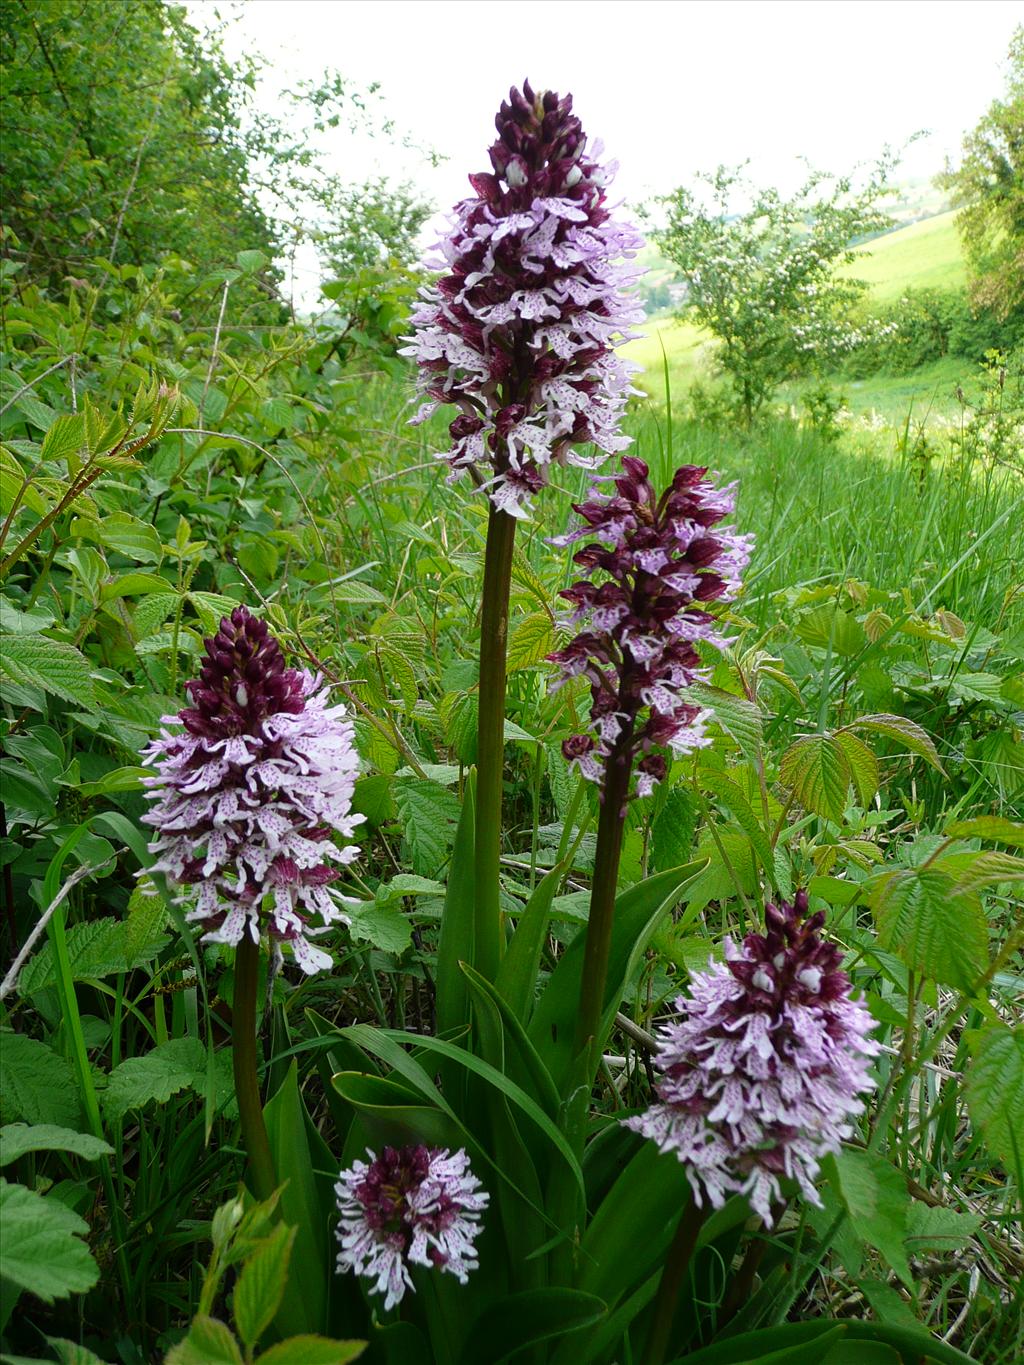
{"x": 671, "y": 86}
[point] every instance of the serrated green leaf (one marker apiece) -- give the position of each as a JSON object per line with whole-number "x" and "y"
{"x": 995, "y": 1091}
{"x": 211, "y": 608}
{"x": 65, "y": 437}
{"x": 876, "y": 1198}
{"x": 936, "y": 928}
{"x": 18, "y": 1138}
{"x": 53, "y": 665}
{"x": 737, "y": 716}
{"x": 261, "y": 1285}
{"x": 991, "y": 868}
{"x": 42, "y": 1250}
{"x": 732, "y": 795}
{"x": 209, "y": 1342}
{"x": 36, "y": 1083}
{"x": 673, "y": 831}
{"x": 12, "y": 480}
{"x": 459, "y": 712}
{"x": 96, "y": 949}
{"x": 531, "y": 639}
{"x": 863, "y": 766}
{"x": 994, "y": 827}
{"x": 157, "y": 1075}
{"x": 906, "y": 732}
{"x": 428, "y": 813}
{"x": 147, "y": 919}
{"x": 385, "y": 926}
{"x": 153, "y": 611}
{"x": 129, "y": 536}
{"x": 356, "y": 594}
{"x": 815, "y": 769}
{"x": 312, "y": 1350}
{"x": 939, "y": 1229}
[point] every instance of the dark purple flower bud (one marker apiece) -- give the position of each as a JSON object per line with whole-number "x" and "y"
{"x": 642, "y": 621}
{"x": 763, "y": 1070}
{"x": 534, "y": 297}
{"x": 246, "y": 800}
{"x": 408, "y": 1206}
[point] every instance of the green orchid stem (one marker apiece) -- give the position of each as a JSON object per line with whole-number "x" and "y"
{"x": 610, "y": 825}
{"x": 501, "y": 531}
{"x": 677, "y": 1264}
{"x": 262, "y": 1175}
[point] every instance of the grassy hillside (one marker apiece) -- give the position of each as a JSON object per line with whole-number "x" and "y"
{"x": 922, "y": 255}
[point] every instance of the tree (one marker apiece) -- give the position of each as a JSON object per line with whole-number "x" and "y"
{"x": 130, "y": 138}
{"x": 764, "y": 280}
{"x": 988, "y": 188}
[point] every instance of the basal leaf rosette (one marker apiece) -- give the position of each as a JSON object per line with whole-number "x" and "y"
{"x": 248, "y": 796}
{"x": 519, "y": 332}
{"x": 764, "y": 1069}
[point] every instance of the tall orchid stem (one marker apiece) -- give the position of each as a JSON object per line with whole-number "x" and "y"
{"x": 677, "y": 1263}
{"x": 615, "y": 793}
{"x": 501, "y": 531}
{"x": 247, "y": 1089}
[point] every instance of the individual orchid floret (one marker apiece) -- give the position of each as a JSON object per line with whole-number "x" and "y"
{"x": 408, "y": 1206}
{"x": 764, "y": 1068}
{"x": 664, "y": 559}
{"x": 247, "y": 799}
{"x": 520, "y": 331}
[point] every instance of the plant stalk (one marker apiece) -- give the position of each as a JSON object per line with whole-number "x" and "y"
{"x": 501, "y": 530}
{"x": 247, "y": 1090}
{"x": 610, "y": 825}
{"x": 677, "y": 1263}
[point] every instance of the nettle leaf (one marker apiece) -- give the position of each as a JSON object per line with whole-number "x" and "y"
{"x": 876, "y": 1199}
{"x": 935, "y": 927}
{"x": 905, "y": 732}
{"x": 816, "y": 770}
{"x": 991, "y": 868}
{"x": 53, "y": 665}
{"x": 384, "y": 926}
{"x": 939, "y": 1229}
{"x": 169, "y": 1068}
{"x": 129, "y": 536}
{"x": 994, "y": 827}
{"x": 65, "y": 437}
{"x": 153, "y": 611}
{"x": 99, "y": 948}
{"x": 18, "y": 1138}
{"x": 863, "y": 766}
{"x": 42, "y": 1250}
{"x": 458, "y": 712}
{"x": 738, "y": 717}
{"x": 995, "y": 1090}
{"x": 36, "y": 1083}
{"x": 428, "y": 813}
{"x": 211, "y": 608}
{"x": 673, "y": 830}
{"x": 532, "y": 638}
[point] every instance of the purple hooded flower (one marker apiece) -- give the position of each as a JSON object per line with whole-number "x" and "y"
{"x": 763, "y": 1070}
{"x": 519, "y": 333}
{"x": 409, "y": 1206}
{"x": 246, "y": 800}
{"x": 664, "y": 559}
